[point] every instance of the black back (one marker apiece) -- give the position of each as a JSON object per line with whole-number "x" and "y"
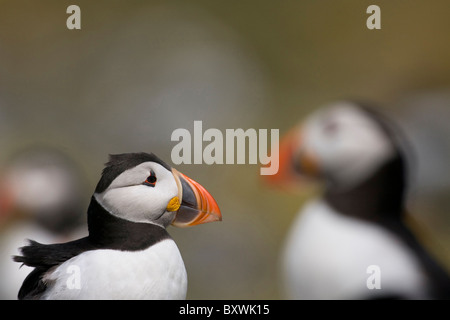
{"x": 380, "y": 199}
{"x": 105, "y": 232}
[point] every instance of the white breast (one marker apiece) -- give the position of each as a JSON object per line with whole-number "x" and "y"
{"x": 12, "y": 274}
{"x": 327, "y": 255}
{"x": 154, "y": 273}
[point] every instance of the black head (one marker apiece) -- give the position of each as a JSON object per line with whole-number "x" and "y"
{"x": 140, "y": 187}
{"x": 119, "y": 163}
{"x": 355, "y": 151}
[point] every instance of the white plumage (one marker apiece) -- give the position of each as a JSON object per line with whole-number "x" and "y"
{"x": 157, "y": 272}
{"x": 356, "y": 225}
{"x": 327, "y": 254}
{"x": 128, "y": 253}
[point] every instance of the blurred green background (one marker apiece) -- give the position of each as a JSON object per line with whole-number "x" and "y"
{"x": 137, "y": 70}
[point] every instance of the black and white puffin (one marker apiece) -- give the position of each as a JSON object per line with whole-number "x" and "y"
{"x": 128, "y": 253}
{"x": 41, "y": 198}
{"x": 358, "y": 222}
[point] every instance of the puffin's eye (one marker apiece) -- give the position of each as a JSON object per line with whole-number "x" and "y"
{"x": 151, "y": 179}
{"x": 331, "y": 128}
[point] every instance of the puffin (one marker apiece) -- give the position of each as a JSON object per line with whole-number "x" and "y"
{"x": 128, "y": 253}
{"x": 353, "y": 240}
{"x": 42, "y": 197}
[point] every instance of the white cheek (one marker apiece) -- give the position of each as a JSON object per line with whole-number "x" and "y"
{"x": 128, "y": 198}
{"x": 134, "y": 203}
{"x": 361, "y": 155}
{"x": 168, "y": 188}
{"x": 130, "y": 177}
{"x": 139, "y": 203}
{"x": 353, "y": 154}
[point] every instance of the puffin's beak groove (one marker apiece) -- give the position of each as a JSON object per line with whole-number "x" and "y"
{"x": 197, "y": 205}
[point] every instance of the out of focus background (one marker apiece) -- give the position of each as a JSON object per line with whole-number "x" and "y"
{"x": 137, "y": 70}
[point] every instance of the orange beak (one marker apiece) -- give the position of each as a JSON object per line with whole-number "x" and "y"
{"x": 296, "y": 164}
{"x": 197, "y": 205}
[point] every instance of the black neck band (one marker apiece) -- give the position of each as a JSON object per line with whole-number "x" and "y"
{"x": 381, "y": 196}
{"x": 110, "y": 232}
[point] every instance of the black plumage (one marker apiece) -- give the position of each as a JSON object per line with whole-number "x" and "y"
{"x": 380, "y": 200}
{"x": 119, "y": 163}
{"x": 105, "y": 232}
{"x": 378, "y": 197}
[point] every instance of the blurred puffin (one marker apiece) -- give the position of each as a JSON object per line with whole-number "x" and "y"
{"x": 358, "y": 221}
{"x": 128, "y": 253}
{"x": 41, "y": 197}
